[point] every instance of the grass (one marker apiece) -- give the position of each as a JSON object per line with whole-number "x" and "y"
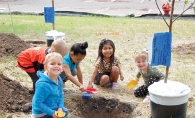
{"x": 128, "y": 34}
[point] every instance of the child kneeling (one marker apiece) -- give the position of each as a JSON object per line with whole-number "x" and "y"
{"x": 49, "y": 95}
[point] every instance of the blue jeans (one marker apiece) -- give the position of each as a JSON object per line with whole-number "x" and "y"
{"x": 65, "y": 78}
{"x": 64, "y": 110}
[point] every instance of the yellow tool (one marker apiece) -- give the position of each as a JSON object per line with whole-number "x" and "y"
{"x": 132, "y": 84}
{"x": 60, "y": 114}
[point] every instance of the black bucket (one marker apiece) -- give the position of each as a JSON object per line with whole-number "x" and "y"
{"x": 49, "y": 42}
{"x": 165, "y": 111}
{"x": 53, "y": 35}
{"x": 171, "y": 103}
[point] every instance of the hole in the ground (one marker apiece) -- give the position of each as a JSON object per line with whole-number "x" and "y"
{"x": 101, "y": 107}
{"x": 35, "y": 42}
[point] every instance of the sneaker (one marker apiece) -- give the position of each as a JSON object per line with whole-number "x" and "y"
{"x": 146, "y": 99}
{"x": 64, "y": 87}
{"x": 109, "y": 84}
{"x": 114, "y": 86}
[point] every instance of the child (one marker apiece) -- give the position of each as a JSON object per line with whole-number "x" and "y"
{"x": 71, "y": 64}
{"x": 148, "y": 73}
{"x": 31, "y": 60}
{"x": 107, "y": 69}
{"x": 49, "y": 95}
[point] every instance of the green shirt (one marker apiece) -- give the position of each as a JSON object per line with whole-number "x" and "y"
{"x": 151, "y": 72}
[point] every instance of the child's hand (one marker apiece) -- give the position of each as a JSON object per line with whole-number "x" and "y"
{"x": 60, "y": 109}
{"x": 54, "y": 115}
{"x": 121, "y": 77}
{"x": 136, "y": 79}
{"x": 82, "y": 88}
{"x": 89, "y": 85}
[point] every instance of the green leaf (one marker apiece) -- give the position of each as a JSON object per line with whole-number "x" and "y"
{"x": 169, "y": 0}
{"x": 186, "y": 2}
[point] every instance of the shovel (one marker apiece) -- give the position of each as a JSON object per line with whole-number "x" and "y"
{"x": 60, "y": 114}
{"x": 91, "y": 90}
{"x": 131, "y": 84}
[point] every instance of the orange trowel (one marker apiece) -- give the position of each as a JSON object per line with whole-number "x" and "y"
{"x": 131, "y": 84}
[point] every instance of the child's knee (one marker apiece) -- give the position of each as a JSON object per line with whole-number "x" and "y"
{"x": 104, "y": 79}
{"x": 136, "y": 94}
{"x": 74, "y": 72}
{"x": 141, "y": 91}
{"x": 115, "y": 69}
{"x": 151, "y": 81}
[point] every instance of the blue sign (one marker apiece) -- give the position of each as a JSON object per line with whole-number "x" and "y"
{"x": 49, "y": 14}
{"x": 161, "y": 49}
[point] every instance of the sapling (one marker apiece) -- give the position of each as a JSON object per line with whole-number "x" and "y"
{"x": 172, "y": 20}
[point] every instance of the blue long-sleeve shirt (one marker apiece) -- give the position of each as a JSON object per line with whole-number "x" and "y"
{"x": 48, "y": 97}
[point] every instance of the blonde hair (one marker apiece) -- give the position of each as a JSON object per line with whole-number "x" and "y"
{"x": 52, "y": 54}
{"x": 142, "y": 55}
{"x": 59, "y": 46}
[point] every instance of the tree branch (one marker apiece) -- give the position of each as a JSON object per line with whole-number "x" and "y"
{"x": 184, "y": 11}
{"x": 171, "y": 16}
{"x": 161, "y": 13}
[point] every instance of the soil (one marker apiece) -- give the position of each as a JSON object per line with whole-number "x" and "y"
{"x": 11, "y": 45}
{"x": 14, "y": 97}
{"x": 185, "y": 49}
{"x": 17, "y": 98}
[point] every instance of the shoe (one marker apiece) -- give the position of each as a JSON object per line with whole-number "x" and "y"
{"x": 31, "y": 91}
{"x": 109, "y": 84}
{"x": 114, "y": 86}
{"x": 146, "y": 99}
{"x": 64, "y": 87}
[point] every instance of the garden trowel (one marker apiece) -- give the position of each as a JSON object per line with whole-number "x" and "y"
{"x": 60, "y": 114}
{"x": 131, "y": 84}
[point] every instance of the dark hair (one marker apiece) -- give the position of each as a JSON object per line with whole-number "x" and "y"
{"x": 79, "y": 48}
{"x": 101, "y": 45}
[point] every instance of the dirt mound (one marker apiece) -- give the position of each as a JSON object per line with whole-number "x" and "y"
{"x": 13, "y": 96}
{"x": 11, "y": 45}
{"x": 185, "y": 49}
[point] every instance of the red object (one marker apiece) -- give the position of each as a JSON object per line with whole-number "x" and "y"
{"x": 166, "y": 8}
{"x": 91, "y": 90}
{"x": 31, "y": 60}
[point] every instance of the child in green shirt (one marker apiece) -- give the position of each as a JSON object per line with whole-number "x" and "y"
{"x": 149, "y": 74}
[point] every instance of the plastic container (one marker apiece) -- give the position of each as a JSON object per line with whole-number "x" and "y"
{"x": 86, "y": 96}
{"x": 168, "y": 100}
{"x": 53, "y": 35}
